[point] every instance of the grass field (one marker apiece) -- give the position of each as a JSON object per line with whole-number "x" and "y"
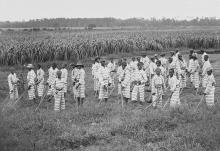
{"x": 109, "y": 127}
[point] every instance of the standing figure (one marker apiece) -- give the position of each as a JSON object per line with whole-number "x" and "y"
{"x": 104, "y": 81}
{"x": 205, "y": 66}
{"x": 52, "y": 76}
{"x": 73, "y": 77}
{"x": 31, "y": 82}
{"x": 80, "y": 83}
{"x": 13, "y": 82}
{"x": 119, "y": 72}
{"x": 195, "y": 73}
{"x": 59, "y": 86}
{"x": 203, "y": 56}
{"x": 182, "y": 74}
{"x": 95, "y": 69}
{"x": 64, "y": 76}
{"x": 111, "y": 67}
{"x": 210, "y": 88}
{"x": 163, "y": 60}
{"x": 125, "y": 82}
{"x": 190, "y": 69}
{"x": 40, "y": 81}
{"x": 139, "y": 81}
{"x": 174, "y": 85}
{"x": 158, "y": 85}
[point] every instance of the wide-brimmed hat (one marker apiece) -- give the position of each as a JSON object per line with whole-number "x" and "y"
{"x": 30, "y": 66}
{"x": 79, "y": 64}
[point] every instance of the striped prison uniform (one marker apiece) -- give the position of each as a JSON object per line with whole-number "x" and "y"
{"x": 139, "y": 81}
{"x": 80, "y": 84}
{"x": 204, "y": 73}
{"x": 195, "y": 73}
{"x": 163, "y": 61}
{"x": 174, "y": 85}
{"x": 59, "y": 85}
{"x": 51, "y": 80}
{"x": 190, "y": 68}
{"x": 203, "y": 55}
{"x": 152, "y": 68}
{"x": 111, "y": 68}
{"x": 12, "y": 82}
{"x": 157, "y": 87}
{"x": 31, "y": 83}
{"x": 64, "y": 76}
{"x": 73, "y": 77}
{"x": 104, "y": 80}
{"x": 182, "y": 76}
{"x": 40, "y": 82}
{"x": 95, "y": 69}
{"x": 210, "y": 91}
{"x": 119, "y": 72}
{"x": 133, "y": 68}
{"x": 125, "y": 82}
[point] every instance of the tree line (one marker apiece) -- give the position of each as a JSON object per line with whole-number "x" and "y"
{"x": 109, "y": 22}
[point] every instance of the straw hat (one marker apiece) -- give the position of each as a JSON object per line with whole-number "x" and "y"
{"x": 30, "y": 66}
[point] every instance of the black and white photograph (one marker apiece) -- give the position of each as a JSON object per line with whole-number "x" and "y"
{"x": 109, "y": 75}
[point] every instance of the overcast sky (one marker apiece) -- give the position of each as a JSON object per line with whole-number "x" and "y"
{"x": 18, "y": 10}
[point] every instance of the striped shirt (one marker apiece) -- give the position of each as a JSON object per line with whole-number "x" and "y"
{"x": 31, "y": 77}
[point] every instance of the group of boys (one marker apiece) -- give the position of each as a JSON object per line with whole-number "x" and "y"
{"x": 159, "y": 74}
{"x": 55, "y": 86}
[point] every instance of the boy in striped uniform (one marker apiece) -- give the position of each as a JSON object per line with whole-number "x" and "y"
{"x": 111, "y": 67}
{"x": 152, "y": 67}
{"x": 125, "y": 82}
{"x": 158, "y": 85}
{"x": 174, "y": 85}
{"x": 163, "y": 60}
{"x": 104, "y": 81}
{"x": 183, "y": 68}
{"x": 210, "y": 88}
{"x": 139, "y": 81}
{"x": 59, "y": 86}
{"x": 203, "y": 56}
{"x": 40, "y": 81}
{"x": 205, "y": 66}
{"x": 119, "y": 72}
{"x": 195, "y": 73}
{"x": 190, "y": 68}
{"x": 80, "y": 83}
{"x": 31, "y": 82}
{"x": 95, "y": 68}
{"x": 133, "y": 66}
{"x": 12, "y": 82}
{"x": 52, "y": 76}
{"x": 64, "y": 76}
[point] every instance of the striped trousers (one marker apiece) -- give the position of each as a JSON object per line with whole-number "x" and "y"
{"x": 96, "y": 84}
{"x": 51, "y": 89}
{"x": 80, "y": 91}
{"x": 126, "y": 92}
{"x": 59, "y": 101}
{"x": 204, "y": 81}
{"x": 65, "y": 88}
{"x": 157, "y": 98}
{"x": 103, "y": 93}
{"x": 119, "y": 88}
{"x": 183, "y": 80}
{"x": 196, "y": 80}
{"x": 210, "y": 97}
{"x": 138, "y": 89}
{"x": 40, "y": 89}
{"x": 175, "y": 98}
{"x": 14, "y": 94}
{"x": 31, "y": 93}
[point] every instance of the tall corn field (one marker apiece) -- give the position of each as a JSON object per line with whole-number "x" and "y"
{"x": 24, "y": 47}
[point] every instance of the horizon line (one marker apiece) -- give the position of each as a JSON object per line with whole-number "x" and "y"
{"x": 150, "y": 18}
